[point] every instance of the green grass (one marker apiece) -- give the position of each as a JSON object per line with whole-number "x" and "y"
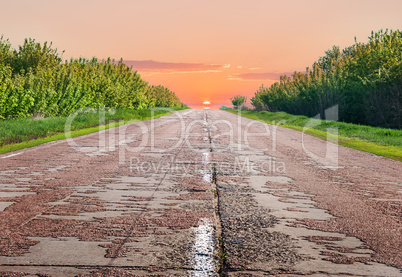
{"x": 380, "y": 141}
{"x": 23, "y": 133}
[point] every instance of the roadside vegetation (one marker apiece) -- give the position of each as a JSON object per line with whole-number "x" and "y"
{"x": 34, "y": 81}
{"x": 38, "y": 91}
{"x": 238, "y": 101}
{"x": 364, "y": 80}
{"x": 380, "y": 141}
{"x": 21, "y": 133}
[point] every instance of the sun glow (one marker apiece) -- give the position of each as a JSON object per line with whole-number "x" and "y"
{"x": 206, "y": 105}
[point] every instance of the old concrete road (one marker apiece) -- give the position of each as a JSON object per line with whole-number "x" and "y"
{"x": 199, "y": 193}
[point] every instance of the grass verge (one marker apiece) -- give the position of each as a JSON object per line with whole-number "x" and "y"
{"x": 23, "y": 133}
{"x": 380, "y": 141}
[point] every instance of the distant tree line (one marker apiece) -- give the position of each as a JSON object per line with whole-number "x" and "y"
{"x": 365, "y": 80}
{"x": 35, "y": 80}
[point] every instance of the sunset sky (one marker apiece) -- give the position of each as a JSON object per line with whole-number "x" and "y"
{"x": 203, "y": 50}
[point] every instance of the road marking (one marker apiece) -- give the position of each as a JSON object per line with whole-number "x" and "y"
{"x": 205, "y": 158}
{"x": 207, "y": 176}
{"x": 12, "y": 155}
{"x": 203, "y": 250}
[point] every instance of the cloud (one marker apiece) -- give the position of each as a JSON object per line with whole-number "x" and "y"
{"x": 155, "y": 67}
{"x": 258, "y": 76}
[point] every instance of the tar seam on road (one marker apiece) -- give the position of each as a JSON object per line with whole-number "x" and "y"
{"x": 203, "y": 247}
{"x": 218, "y": 222}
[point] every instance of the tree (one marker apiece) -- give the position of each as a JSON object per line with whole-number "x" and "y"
{"x": 6, "y": 54}
{"x": 33, "y": 56}
{"x": 238, "y": 101}
{"x": 364, "y": 79}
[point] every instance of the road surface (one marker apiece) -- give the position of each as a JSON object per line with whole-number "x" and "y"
{"x": 199, "y": 193}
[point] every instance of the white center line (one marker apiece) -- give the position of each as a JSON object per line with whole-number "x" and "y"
{"x": 203, "y": 250}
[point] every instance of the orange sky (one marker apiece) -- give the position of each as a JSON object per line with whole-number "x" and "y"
{"x": 202, "y": 50}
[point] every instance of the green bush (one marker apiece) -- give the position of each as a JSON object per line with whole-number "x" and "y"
{"x": 364, "y": 80}
{"x": 34, "y": 81}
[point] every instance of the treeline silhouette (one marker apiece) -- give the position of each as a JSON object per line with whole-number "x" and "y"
{"x": 364, "y": 80}
{"x": 34, "y": 80}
